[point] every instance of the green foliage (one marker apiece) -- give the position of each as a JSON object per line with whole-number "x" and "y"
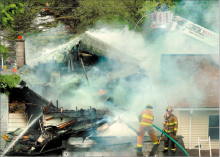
{"x": 4, "y": 51}
{"x": 23, "y": 25}
{"x": 86, "y": 13}
{"x": 7, "y": 12}
{"x": 8, "y": 82}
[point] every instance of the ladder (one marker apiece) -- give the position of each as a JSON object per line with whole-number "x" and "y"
{"x": 199, "y": 142}
{"x": 196, "y": 31}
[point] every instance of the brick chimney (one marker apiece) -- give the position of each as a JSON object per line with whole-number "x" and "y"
{"x": 20, "y": 52}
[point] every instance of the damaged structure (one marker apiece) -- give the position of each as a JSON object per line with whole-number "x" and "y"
{"x": 75, "y": 60}
{"x": 91, "y": 131}
{"x": 78, "y": 63}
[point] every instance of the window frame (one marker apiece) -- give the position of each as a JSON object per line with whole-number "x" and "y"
{"x": 211, "y": 127}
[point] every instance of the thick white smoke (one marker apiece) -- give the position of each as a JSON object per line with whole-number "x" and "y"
{"x": 136, "y": 94}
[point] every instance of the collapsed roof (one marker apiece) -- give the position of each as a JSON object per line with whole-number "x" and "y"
{"x": 89, "y": 44}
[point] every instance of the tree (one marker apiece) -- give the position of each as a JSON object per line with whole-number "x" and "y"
{"x": 24, "y": 24}
{"x": 7, "y": 11}
{"x": 7, "y": 21}
{"x": 84, "y": 14}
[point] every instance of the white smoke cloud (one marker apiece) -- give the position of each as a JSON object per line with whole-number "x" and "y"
{"x": 136, "y": 94}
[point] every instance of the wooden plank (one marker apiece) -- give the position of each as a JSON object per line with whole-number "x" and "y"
{"x": 65, "y": 119}
{"x": 45, "y": 116}
{"x": 16, "y": 115}
{"x": 19, "y": 104}
{"x": 18, "y": 125}
{"x": 18, "y": 120}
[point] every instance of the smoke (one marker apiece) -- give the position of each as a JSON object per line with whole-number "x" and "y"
{"x": 131, "y": 94}
{"x": 200, "y": 12}
{"x": 38, "y": 44}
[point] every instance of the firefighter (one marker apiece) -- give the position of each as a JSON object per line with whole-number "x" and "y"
{"x": 170, "y": 127}
{"x": 159, "y": 8}
{"x": 146, "y": 118}
{"x": 14, "y": 69}
{"x": 166, "y": 7}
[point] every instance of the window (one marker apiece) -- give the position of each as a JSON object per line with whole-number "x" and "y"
{"x": 214, "y": 126}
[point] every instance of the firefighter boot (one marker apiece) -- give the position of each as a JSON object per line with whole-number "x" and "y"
{"x": 155, "y": 147}
{"x": 173, "y": 151}
{"x": 139, "y": 149}
{"x": 165, "y": 150}
{"x": 153, "y": 152}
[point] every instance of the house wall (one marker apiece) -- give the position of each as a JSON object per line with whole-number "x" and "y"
{"x": 183, "y": 127}
{"x": 4, "y": 113}
{"x": 199, "y": 128}
{"x": 17, "y": 120}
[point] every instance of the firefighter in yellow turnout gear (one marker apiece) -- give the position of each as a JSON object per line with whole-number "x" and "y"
{"x": 170, "y": 127}
{"x": 146, "y": 118}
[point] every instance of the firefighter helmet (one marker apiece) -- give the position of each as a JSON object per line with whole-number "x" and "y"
{"x": 169, "y": 108}
{"x": 149, "y": 106}
{"x": 159, "y": 3}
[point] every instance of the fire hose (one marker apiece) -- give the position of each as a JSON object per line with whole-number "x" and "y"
{"x": 171, "y": 139}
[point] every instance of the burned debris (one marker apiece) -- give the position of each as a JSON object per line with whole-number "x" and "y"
{"x": 47, "y": 139}
{"x": 41, "y": 137}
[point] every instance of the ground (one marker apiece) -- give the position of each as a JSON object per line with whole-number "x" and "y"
{"x": 121, "y": 150}
{"x": 108, "y": 149}
{"x": 7, "y": 72}
{"x": 195, "y": 152}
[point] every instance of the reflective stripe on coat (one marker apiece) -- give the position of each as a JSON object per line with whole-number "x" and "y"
{"x": 147, "y": 118}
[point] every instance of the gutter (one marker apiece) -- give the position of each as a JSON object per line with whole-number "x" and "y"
{"x": 197, "y": 109}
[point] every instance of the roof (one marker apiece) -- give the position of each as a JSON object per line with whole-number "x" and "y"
{"x": 190, "y": 81}
{"x": 88, "y": 43}
{"x": 95, "y": 46}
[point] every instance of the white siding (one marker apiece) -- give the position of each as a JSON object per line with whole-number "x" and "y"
{"x": 200, "y": 124}
{"x": 199, "y": 127}
{"x": 4, "y": 113}
{"x": 17, "y": 120}
{"x": 183, "y": 127}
